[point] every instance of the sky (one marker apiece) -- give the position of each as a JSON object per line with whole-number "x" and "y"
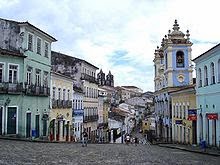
{"x": 119, "y": 35}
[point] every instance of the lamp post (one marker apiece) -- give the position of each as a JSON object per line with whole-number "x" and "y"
{"x": 7, "y": 102}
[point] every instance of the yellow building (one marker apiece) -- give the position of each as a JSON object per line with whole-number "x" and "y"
{"x": 60, "y": 116}
{"x": 183, "y": 127}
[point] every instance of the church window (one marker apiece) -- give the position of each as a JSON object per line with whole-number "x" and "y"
{"x": 166, "y": 62}
{"x": 179, "y": 59}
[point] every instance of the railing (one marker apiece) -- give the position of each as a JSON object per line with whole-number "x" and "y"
{"x": 91, "y": 118}
{"x": 88, "y": 78}
{"x": 7, "y": 87}
{"x": 77, "y": 89}
{"x": 37, "y": 90}
{"x": 61, "y": 103}
{"x": 103, "y": 125}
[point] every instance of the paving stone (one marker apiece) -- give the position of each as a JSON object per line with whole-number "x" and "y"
{"x": 25, "y": 153}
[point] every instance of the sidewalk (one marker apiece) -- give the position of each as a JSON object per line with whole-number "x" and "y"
{"x": 190, "y": 148}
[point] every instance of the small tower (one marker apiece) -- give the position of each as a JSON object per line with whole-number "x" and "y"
{"x": 109, "y": 79}
{"x": 101, "y": 78}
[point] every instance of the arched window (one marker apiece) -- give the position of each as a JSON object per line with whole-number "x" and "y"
{"x": 205, "y": 76}
{"x": 212, "y": 73}
{"x": 179, "y": 59}
{"x": 166, "y": 62}
{"x": 200, "y": 78}
{"x": 219, "y": 70}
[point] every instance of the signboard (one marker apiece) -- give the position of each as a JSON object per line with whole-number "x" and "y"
{"x": 212, "y": 116}
{"x": 192, "y": 114}
{"x": 179, "y": 121}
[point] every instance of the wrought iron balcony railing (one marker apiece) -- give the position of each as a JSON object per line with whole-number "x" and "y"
{"x": 88, "y": 78}
{"x": 91, "y": 118}
{"x": 37, "y": 90}
{"x": 11, "y": 88}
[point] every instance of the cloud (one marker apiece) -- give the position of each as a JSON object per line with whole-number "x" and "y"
{"x": 120, "y": 36}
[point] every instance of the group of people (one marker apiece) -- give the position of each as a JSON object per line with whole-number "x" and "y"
{"x": 129, "y": 139}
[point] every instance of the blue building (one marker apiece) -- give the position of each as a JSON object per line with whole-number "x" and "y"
{"x": 207, "y": 96}
{"x": 173, "y": 70}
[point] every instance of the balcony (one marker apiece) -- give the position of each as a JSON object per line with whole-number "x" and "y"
{"x": 37, "y": 90}
{"x": 77, "y": 89}
{"x": 103, "y": 125}
{"x": 88, "y": 78}
{"x": 10, "y": 88}
{"x": 91, "y": 118}
{"x": 61, "y": 103}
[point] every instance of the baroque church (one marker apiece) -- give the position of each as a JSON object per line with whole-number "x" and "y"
{"x": 108, "y": 80}
{"x": 173, "y": 70}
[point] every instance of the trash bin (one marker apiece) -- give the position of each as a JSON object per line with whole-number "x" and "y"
{"x": 203, "y": 144}
{"x": 33, "y": 133}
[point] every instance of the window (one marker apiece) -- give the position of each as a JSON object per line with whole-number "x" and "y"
{"x": 54, "y": 92}
{"x": 30, "y": 42}
{"x": 200, "y": 77}
{"x": 68, "y": 94}
{"x": 1, "y": 73}
{"x": 179, "y": 59}
{"x": 38, "y": 46}
{"x": 219, "y": 70}
{"x": 205, "y": 76}
{"x": 45, "y": 80}
{"x": 13, "y": 74}
{"x": 46, "y": 49}
{"x": 166, "y": 62}
{"x": 59, "y": 93}
{"x": 64, "y": 94}
{"x": 37, "y": 81}
{"x": 212, "y": 73}
{"x": 29, "y": 76}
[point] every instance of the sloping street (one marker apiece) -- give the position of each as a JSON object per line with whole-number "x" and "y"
{"x": 21, "y": 152}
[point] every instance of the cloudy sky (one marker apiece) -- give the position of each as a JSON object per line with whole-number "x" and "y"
{"x": 119, "y": 35}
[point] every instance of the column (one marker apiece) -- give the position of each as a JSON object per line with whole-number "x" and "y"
{"x": 55, "y": 130}
{"x": 61, "y": 130}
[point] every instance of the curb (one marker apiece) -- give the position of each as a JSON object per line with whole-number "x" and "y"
{"x": 195, "y": 151}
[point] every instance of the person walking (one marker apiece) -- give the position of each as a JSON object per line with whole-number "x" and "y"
{"x": 85, "y": 138}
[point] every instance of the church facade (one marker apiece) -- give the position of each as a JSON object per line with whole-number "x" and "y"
{"x": 173, "y": 70}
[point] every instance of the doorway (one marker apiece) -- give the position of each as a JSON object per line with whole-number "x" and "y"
{"x": 214, "y": 142}
{"x": 37, "y": 125}
{"x": 1, "y": 109}
{"x": 11, "y": 120}
{"x": 28, "y": 125}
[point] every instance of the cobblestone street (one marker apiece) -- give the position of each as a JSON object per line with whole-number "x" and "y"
{"x": 21, "y": 152}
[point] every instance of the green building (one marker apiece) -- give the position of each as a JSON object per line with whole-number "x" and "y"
{"x": 25, "y": 64}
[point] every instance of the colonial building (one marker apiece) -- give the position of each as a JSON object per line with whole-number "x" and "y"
{"x": 60, "y": 115}
{"x": 85, "y": 75}
{"x": 184, "y": 125}
{"x": 207, "y": 96}
{"x": 77, "y": 114}
{"x": 25, "y": 113}
{"x": 173, "y": 69}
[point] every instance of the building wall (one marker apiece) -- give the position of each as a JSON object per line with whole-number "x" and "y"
{"x": 208, "y": 99}
{"x": 181, "y": 103}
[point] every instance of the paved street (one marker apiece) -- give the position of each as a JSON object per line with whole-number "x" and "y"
{"x": 20, "y": 152}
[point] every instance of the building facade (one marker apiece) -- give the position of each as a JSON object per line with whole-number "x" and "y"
{"x": 184, "y": 127}
{"x": 85, "y": 75}
{"x": 60, "y": 115}
{"x": 78, "y": 111}
{"x": 173, "y": 69}
{"x": 32, "y": 115}
{"x": 207, "y": 96}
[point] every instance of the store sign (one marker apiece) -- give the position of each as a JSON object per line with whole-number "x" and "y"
{"x": 179, "y": 121}
{"x": 192, "y": 114}
{"x": 212, "y": 116}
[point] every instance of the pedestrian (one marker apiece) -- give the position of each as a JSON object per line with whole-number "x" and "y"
{"x": 85, "y": 138}
{"x": 135, "y": 141}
